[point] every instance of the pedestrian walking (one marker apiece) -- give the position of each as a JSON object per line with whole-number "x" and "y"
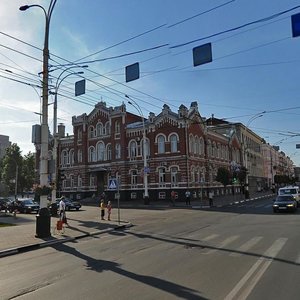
{"x": 211, "y": 198}
{"x": 62, "y": 210}
{"x": 188, "y": 197}
{"x": 109, "y": 207}
{"x": 173, "y": 197}
{"x": 102, "y": 208}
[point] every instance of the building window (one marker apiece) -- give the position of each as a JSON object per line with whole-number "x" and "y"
{"x": 108, "y": 152}
{"x": 132, "y": 149}
{"x": 191, "y": 144}
{"x": 64, "y": 158}
{"x": 99, "y": 129}
{"x": 72, "y": 181}
{"x": 134, "y": 177}
{"x": 193, "y": 174}
{"x": 72, "y": 159}
{"x": 100, "y": 151}
{"x": 79, "y": 155}
{"x": 117, "y": 127}
{"x": 161, "y": 175}
{"x": 161, "y": 144}
{"x": 174, "y": 143}
{"x": 118, "y": 151}
{"x": 79, "y": 135}
{"x": 79, "y": 181}
{"x": 107, "y": 128}
{"x": 92, "y": 180}
{"x": 146, "y": 146}
{"x": 91, "y": 132}
{"x": 92, "y": 154}
{"x": 174, "y": 176}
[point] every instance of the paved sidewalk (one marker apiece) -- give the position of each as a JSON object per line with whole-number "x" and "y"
{"x": 20, "y": 237}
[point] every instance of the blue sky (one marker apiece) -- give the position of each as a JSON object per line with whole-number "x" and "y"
{"x": 254, "y": 69}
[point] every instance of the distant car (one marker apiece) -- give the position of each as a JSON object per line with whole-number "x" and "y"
{"x": 26, "y": 206}
{"x": 72, "y": 204}
{"x": 285, "y": 203}
{"x": 69, "y": 204}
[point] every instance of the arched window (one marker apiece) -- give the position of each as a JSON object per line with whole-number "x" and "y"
{"x": 64, "y": 158}
{"x": 79, "y": 157}
{"x": 99, "y": 129}
{"x": 72, "y": 158}
{"x": 92, "y": 154}
{"x": 132, "y": 149}
{"x": 100, "y": 151}
{"x": 91, "y": 132}
{"x": 197, "y": 145}
{"x": 108, "y": 152}
{"x": 191, "y": 144}
{"x": 117, "y": 127}
{"x": 118, "y": 151}
{"x": 147, "y": 146}
{"x": 79, "y": 134}
{"x": 161, "y": 144}
{"x": 201, "y": 146}
{"x": 174, "y": 143}
{"x": 107, "y": 128}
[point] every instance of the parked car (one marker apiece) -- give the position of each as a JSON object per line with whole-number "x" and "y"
{"x": 4, "y": 202}
{"x": 69, "y": 204}
{"x": 24, "y": 206}
{"x": 285, "y": 203}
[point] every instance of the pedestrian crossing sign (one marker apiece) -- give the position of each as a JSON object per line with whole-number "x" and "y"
{"x": 113, "y": 184}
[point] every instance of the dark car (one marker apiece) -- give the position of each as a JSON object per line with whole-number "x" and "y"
{"x": 24, "y": 206}
{"x": 285, "y": 203}
{"x": 4, "y": 202}
{"x": 72, "y": 204}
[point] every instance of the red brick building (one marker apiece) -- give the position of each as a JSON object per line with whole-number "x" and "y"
{"x": 182, "y": 153}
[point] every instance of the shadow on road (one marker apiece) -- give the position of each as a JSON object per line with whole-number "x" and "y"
{"x": 99, "y": 265}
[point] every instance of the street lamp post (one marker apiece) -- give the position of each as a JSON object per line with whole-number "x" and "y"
{"x": 138, "y": 108}
{"x": 44, "y": 232}
{"x": 245, "y": 149}
{"x": 58, "y": 83}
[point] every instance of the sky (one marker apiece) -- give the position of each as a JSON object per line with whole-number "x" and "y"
{"x": 253, "y": 78}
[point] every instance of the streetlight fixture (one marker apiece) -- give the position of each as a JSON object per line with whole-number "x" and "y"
{"x": 58, "y": 83}
{"x": 138, "y": 108}
{"x": 44, "y": 125}
{"x": 245, "y": 149}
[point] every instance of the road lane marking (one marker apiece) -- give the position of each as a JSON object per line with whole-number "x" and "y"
{"x": 244, "y": 287}
{"x": 223, "y": 244}
{"x": 246, "y": 246}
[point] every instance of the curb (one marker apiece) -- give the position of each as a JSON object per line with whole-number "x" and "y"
{"x": 27, "y": 248}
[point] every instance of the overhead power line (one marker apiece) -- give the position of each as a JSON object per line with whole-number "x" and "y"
{"x": 200, "y": 14}
{"x": 237, "y": 28}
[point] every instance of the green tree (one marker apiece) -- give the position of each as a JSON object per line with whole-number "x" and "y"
{"x": 11, "y": 167}
{"x": 28, "y": 174}
{"x": 223, "y": 176}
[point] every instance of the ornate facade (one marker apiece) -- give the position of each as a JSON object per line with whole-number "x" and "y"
{"x": 182, "y": 153}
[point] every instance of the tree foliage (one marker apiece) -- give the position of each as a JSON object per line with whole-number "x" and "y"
{"x": 15, "y": 167}
{"x": 223, "y": 176}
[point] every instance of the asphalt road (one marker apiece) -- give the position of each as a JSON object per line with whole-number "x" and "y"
{"x": 238, "y": 252}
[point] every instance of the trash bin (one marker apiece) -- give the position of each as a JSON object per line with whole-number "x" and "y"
{"x": 43, "y": 223}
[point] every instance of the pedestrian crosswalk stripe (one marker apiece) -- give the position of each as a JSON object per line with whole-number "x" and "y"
{"x": 246, "y": 246}
{"x": 275, "y": 248}
{"x": 223, "y": 244}
{"x": 210, "y": 237}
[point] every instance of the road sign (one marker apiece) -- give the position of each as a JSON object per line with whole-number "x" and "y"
{"x": 113, "y": 184}
{"x": 202, "y": 54}
{"x": 296, "y": 25}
